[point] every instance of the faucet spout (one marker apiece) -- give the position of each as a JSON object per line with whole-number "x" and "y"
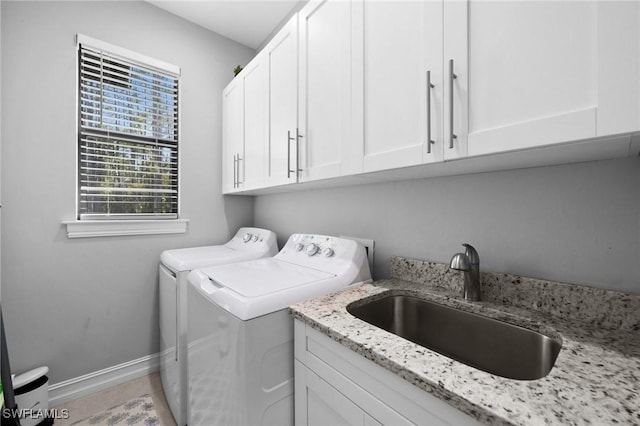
{"x": 469, "y": 263}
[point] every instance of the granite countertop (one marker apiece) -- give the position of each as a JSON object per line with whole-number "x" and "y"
{"x": 596, "y": 377}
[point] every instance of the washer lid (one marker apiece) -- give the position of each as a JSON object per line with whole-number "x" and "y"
{"x": 261, "y": 277}
{"x": 187, "y": 259}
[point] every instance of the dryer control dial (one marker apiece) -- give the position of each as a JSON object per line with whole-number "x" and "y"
{"x": 328, "y": 252}
{"x": 312, "y": 249}
{"x": 246, "y": 237}
{"x": 299, "y": 247}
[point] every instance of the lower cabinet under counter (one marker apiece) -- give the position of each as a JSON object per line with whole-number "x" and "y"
{"x": 336, "y": 386}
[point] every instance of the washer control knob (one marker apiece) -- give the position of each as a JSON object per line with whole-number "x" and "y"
{"x": 328, "y": 252}
{"x": 312, "y": 249}
{"x": 255, "y": 238}
{"x": 246, "y": 237}
{"x": 299, "y": 247}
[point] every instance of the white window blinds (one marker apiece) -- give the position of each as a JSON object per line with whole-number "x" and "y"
{"x": 128, "y": 138}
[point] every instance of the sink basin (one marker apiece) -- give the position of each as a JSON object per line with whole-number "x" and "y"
{"x": 481, "y": 342}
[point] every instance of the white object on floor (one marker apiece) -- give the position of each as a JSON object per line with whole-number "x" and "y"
{"x": 31, "y": 391}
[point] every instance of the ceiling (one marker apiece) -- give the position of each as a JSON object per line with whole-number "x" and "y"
{"x": 248, "y": 22}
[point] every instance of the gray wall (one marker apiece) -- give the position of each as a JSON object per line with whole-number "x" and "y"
{"x": 575, "y": 223}
{"x": 83, "y": 305}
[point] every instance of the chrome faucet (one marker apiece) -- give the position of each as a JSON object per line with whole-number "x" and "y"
{"x": 469, "y": 262}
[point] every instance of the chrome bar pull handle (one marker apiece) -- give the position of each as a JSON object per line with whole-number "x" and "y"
{"x": 289, "y": 139}
{"x": 429, "y": 87}
{"x": 239, "y": 181}
{"x": 298, "y": 136}
{"x": 235, "y": 163}
{"x": 452, "y": 76}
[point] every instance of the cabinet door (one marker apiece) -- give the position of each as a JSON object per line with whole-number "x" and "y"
{"x": 251, "y": 165}
{"x": 281, "y": 55}
{"x": 402, "y": 49}
{"x": 324, "y": 405}
{"x": 618, "y": 67}
{"x": 528, "y": 72}
{"x": 325, "y": 87}
{"x": 232, "y": 134}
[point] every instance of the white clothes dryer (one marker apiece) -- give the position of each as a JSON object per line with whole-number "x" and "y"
{"x": 175, "y": 265}
{"x": 240, "y": 332}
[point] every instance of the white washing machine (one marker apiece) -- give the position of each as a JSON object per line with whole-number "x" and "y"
{"x": 240, "y": 332}
{"x": 175, "y": 265}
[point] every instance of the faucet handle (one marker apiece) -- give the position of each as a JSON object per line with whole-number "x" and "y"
{"x": 459, "y": 262}
{"x": 472, "y": 254}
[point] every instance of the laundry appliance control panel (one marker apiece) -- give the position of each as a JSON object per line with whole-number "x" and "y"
{"x": 326, "y": 253}
{"x": 254, "y": 239}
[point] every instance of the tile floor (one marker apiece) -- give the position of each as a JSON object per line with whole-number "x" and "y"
{"x": 93, "y": 404}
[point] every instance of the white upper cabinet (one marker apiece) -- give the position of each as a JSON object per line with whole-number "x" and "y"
{"x": 402, "y": 84}
{"x": 531, "y": 73}
{"x": 618, "y": 67}
{"x": 355, "y": 86}
{"x": 244, "y": 129}
{"x": 281, "y": 55}
{"x": 232, "y": 135}
{"x": 255, "y": 124}
{"x": 325, "y": 120}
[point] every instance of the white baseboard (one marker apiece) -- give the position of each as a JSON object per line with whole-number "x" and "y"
{"x": 78, "y": 387}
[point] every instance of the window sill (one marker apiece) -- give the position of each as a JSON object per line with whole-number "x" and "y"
{"x": 114, "y": 228}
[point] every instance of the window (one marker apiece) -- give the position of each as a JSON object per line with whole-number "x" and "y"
{"x": 127, "y": 134}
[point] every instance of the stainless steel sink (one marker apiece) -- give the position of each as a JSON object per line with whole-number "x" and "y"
{"x": 481, "y": 342}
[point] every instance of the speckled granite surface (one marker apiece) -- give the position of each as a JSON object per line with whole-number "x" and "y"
{"x": 602, "y": 308}
{"x": 596, "y": 377}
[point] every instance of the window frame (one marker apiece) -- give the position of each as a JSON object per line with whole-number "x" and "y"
{"x": 145, "y": 62}
{"x": 111, "y": 226}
